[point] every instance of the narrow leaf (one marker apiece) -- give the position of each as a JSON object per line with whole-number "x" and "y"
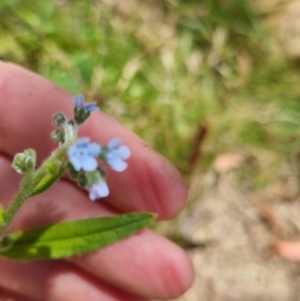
{"x": 75, "y": 237}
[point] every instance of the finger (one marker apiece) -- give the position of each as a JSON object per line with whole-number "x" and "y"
{"x": 6, "y": 295}
{"x": 144, "y": 264}
{"x": 27, "y": 103}
{"x": 56, "y": 281}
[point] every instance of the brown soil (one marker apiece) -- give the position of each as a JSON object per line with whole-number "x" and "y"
{"x": 234, "y": 234}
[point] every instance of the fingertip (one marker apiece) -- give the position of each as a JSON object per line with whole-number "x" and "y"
{"x": 172, "y": 191}
{"x": 177, "y": 274}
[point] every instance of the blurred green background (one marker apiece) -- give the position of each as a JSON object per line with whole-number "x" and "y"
{"x": 173, "y": 71}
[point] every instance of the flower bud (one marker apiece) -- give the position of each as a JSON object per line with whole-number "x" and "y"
{"x": 58, "y": 136}
{"x": 24, "y": 162}
{"x": 59, "y": 119}
{"x": 81, "y": 115}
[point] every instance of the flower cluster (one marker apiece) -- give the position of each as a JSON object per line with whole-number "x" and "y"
{"x": 83, "y": 155}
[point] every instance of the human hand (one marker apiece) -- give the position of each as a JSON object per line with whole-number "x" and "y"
{"x": 142, "y": 266}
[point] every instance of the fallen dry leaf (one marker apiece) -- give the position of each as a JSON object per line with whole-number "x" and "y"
{"x": 288, "y": 250}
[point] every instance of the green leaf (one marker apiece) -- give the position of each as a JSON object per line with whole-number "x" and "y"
{"x": 75, "y": 237}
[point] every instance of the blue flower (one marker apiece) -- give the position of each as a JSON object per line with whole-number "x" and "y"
{"x": 78, "y": 101}
{"x": 99, "y": 190}
{"x": 82, "y": 154}
{"x": 116, "y": 153}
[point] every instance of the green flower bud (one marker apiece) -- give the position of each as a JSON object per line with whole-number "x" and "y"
{"x": 58, "y": 136}
{"x": 24, "y": 162}
{"x": 81, "y": 115}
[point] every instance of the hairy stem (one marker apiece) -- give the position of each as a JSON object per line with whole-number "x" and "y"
{"x": 31, "y": 181}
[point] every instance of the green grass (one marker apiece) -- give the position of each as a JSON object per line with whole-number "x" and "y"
{"x": 164, "y": 67}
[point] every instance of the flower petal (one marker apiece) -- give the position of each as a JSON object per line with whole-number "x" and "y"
{"x": 82, "y": 142}
{"x": 118, "y": 165}
{"x": 123, "y": 152}
{"x": 112, "y": 144}
{"x": 72, "y": 150}
{"x": 89, "y": 164}
{"x": 94, "y": 149}
{"x": 98, "y": 191}
{"x": 103, "y": 189}
{"x": 77, "y": 164}
{"x": 93, "y": 193}
{"x": 78, "y": 101}
{"x": 91, "y": 107}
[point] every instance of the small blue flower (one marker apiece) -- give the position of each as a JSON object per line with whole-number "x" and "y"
{"x": 116, "y": 153}
{"x": 82, "y": 154}
{"x": 78, "y": 101}
{"x": 99, "y": 190}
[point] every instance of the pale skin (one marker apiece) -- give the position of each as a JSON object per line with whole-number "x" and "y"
{"x": 141, "y": 267}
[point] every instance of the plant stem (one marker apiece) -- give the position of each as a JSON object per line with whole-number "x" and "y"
{"x": 18, "y": 201}
{"x": 30, "y": 182}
